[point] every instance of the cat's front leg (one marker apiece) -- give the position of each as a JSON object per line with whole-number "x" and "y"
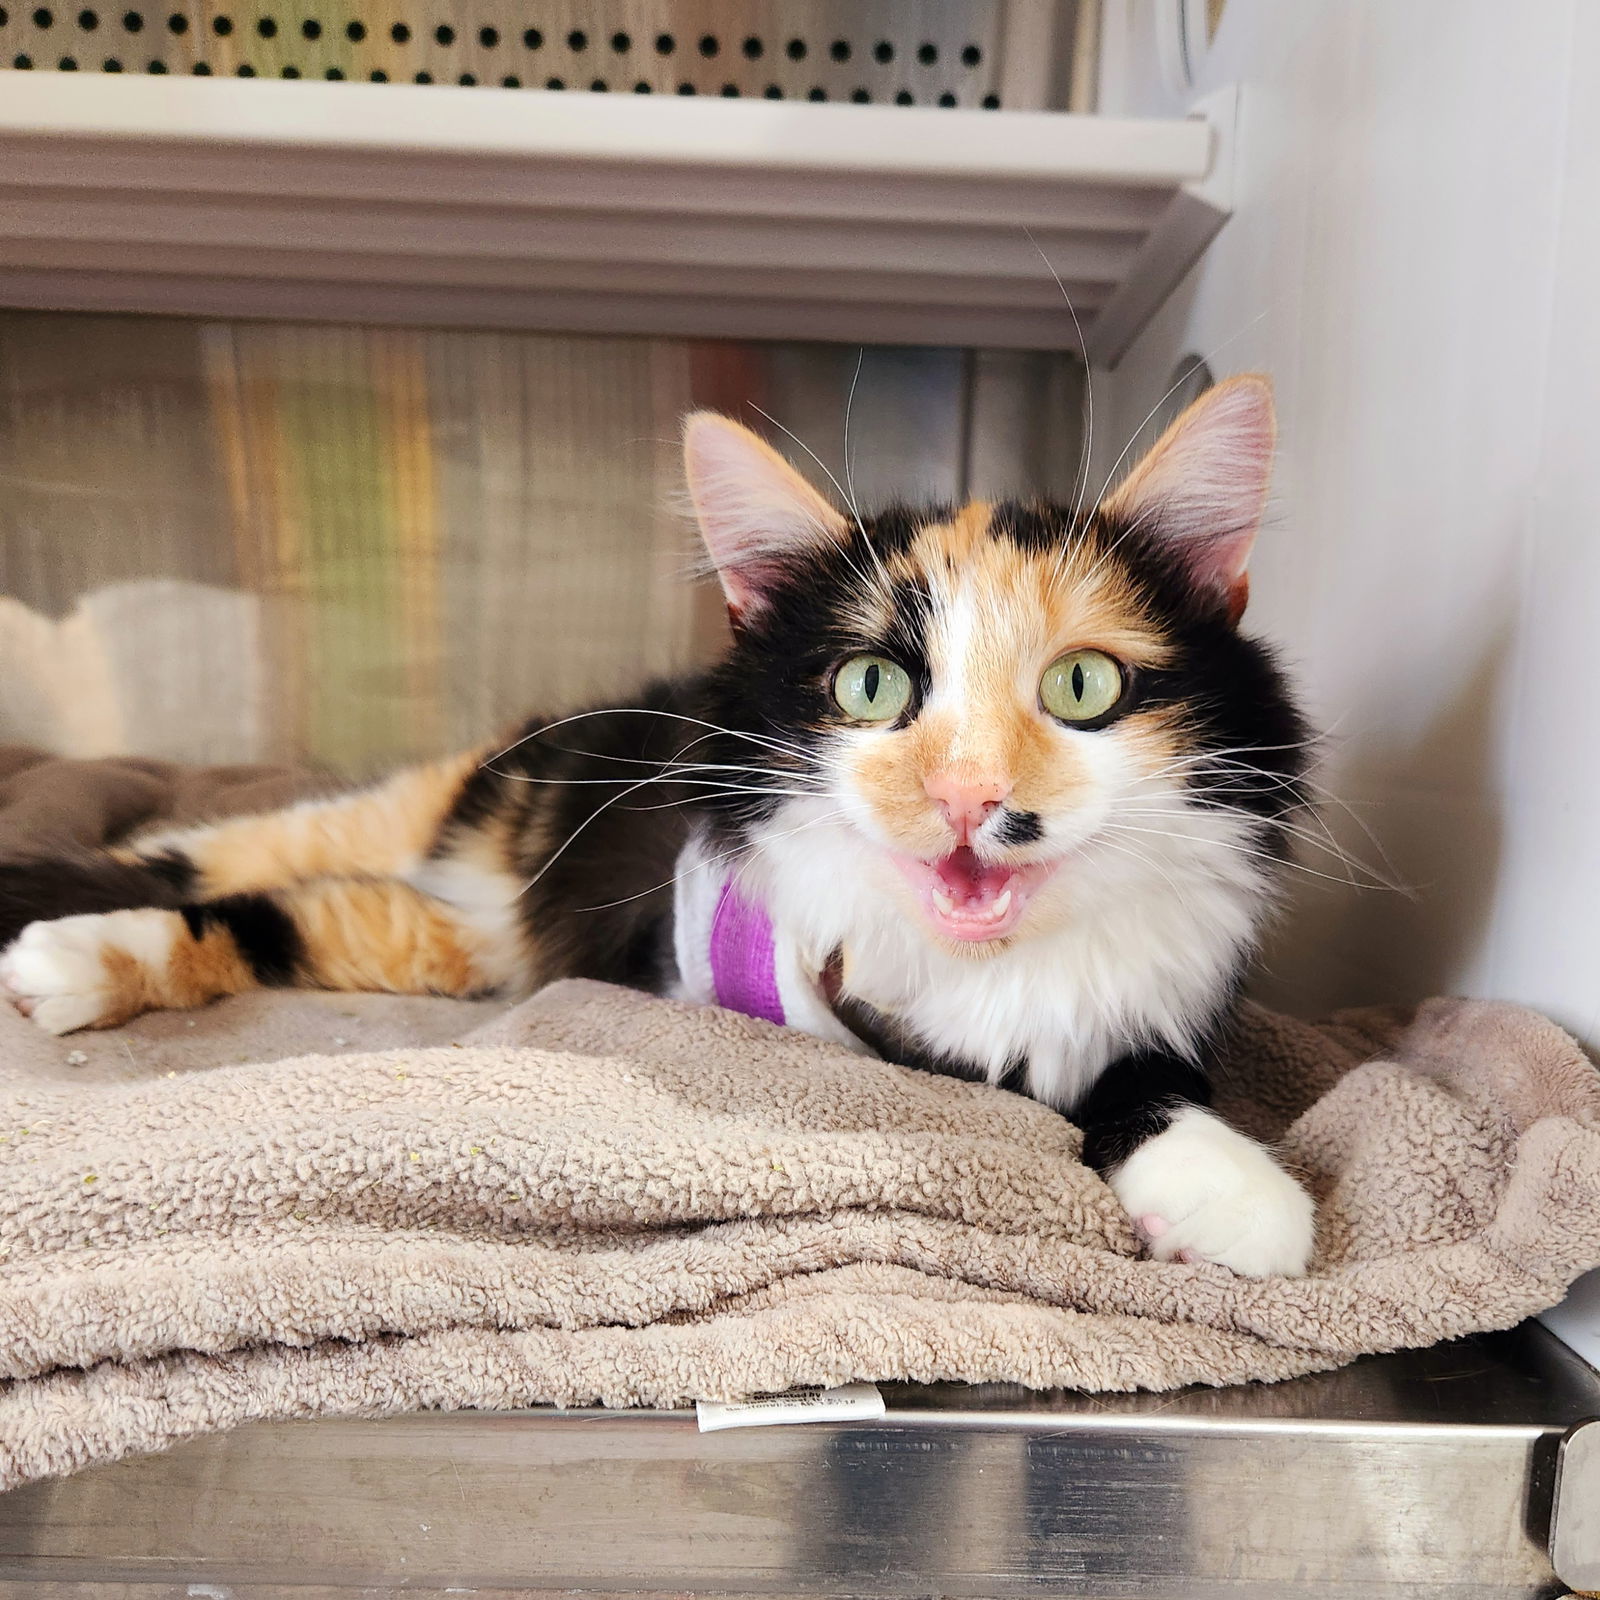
{"x": 1197, "y": 1189}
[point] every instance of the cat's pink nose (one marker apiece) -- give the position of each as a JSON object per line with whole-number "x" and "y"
{"x": 966, "y": 802}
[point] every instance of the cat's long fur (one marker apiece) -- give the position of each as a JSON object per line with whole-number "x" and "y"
{"x": 1144, "y": 847}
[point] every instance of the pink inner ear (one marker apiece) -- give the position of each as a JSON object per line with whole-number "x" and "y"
{"x": 755, "y": 511}
{"x": 1204, "y": 485}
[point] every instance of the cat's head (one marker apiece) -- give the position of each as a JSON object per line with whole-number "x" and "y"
{"x": 995, "y": 704}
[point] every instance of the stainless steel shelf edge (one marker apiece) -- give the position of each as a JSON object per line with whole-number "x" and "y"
{"x": 1421, "y": 1475}
{"x": 1575, "y": 1515}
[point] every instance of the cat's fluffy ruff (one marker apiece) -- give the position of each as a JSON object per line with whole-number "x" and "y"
{"x": 1063, "y": 906}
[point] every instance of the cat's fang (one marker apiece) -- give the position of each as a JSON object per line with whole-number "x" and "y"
{"x": 971, "y": 901}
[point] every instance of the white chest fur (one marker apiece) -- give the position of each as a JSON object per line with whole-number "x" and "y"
{"x": 1138, "y": 948}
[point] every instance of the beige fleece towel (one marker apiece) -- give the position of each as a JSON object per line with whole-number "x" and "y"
{"x": 598, "y": 1196}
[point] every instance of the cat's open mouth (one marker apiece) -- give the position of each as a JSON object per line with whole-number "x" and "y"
{"x": 971, "y": 900}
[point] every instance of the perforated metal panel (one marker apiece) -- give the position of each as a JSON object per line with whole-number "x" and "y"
{"x": 880, "y": 51}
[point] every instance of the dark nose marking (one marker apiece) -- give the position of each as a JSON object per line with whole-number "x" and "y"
{"x": 1018, "y": 827}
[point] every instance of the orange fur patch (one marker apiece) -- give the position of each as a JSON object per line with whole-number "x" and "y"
{"x": 196, "y": 971}
{"x": 374, "y": 833}
{"x": 386, "y": 936}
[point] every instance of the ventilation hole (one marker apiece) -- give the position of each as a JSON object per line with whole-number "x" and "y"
{"x": 840, "y": 49}
{"x": 947, "y": 99}
{"x": 355, "y": 32}
{"x": 22, "y": 63}
{"x": 971, "y": 56}
{"x": 817, "y": 94}
{"x": 88, "y": 20}
{"x": 554, "y": 83}
{"x": 773, "y": 92}
{"x": 577, "y": 40}
{"x": 400, "y": 33}
{"x": 512, "y": 82}
{"x": 222, "y": 26}
{"x": 377, "y": 77}
{"x": 927, "y": 54}
{"x": 177, "y": 24}
{"x": 158, "y": 68}
{"x": 665, "y": 44}
{"x": 201, "y": 69}
{"x": 599, "y": 86}
{"x": 488, "y": 37}
{"x": 267, "y": 28}
{"x": 687, "y": 88}
{"x": 795, "y": 49}
{"x": 753, "y": 48}
{"x": 5, "y": 16}
{"x": 641, "y": 87}
{"x": 904, "y": 98}
{"x": 532, "y": 39}
{"x": 860, "y": 97}
{"x": 444, "y": 33}
{"x": 333, "y": 75}
{"x": 66, "y": 64}
{"x": 290, "y": 72}
{"x": 423, "y": 77}
{"x": 991, "y": 102}
{"x": 111, "y": 64}
{"x": 245, "y": 72}
{"x": 43, "y": 17}
{"x": 708, "y": 45}
{"x": 133, "y": 22}
{"x": 622, "y": 43}
{"x": 311, "y": 29}
{"x": 468, "y": 80}
{"x": 730, "y": 91}
{"x": 883, "y": 52}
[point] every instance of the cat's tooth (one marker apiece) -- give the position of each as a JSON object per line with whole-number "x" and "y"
{"x": 945, "y": 904}
{"x": 1001, "y": 906}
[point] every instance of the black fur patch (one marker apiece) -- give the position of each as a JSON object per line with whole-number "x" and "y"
{"x": 265, "y": 933}
{"x": 1018, "y": 827}
{"x": 36, "y": 891}
{"x": 1133, "y": 1100}
{"x": 600, "y": 804}
{"x": 174, "y": 869}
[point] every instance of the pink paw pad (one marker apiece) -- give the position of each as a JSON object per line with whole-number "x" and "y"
{"x": 1190, "y": 1257}
{"x": 1152, "y": 1226}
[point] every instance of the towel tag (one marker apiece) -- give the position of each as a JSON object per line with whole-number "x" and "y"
{"x": 850, "y": 1402}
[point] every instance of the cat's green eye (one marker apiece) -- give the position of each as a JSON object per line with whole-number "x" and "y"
{"x": 872, "y": 688}
{"x": 1081, "y": 686}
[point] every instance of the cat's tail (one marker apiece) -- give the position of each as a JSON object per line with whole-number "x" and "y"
{"x": 43, "y": 889}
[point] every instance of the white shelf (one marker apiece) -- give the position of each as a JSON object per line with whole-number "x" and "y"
{"x": 506, "y": 208}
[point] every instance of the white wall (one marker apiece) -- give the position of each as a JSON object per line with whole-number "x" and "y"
{"x": 1415, "y": 256}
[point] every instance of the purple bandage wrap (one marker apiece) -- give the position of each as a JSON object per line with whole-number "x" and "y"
{"x": 743, "y": 959}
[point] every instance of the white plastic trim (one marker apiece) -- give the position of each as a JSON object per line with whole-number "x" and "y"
{"x": 664, "y": 214}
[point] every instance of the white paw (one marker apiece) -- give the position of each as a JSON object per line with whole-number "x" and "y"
{"x": 1201, "y": 1191}
{"x": 56, "y": 973}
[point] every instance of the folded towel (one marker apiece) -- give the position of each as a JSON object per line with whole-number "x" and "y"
{"x": 600, "y": 1197}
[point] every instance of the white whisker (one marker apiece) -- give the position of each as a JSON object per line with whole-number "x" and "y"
{"x": 647, "y": 711}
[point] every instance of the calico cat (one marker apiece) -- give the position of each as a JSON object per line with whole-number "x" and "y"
{"x": 995, "y": 790}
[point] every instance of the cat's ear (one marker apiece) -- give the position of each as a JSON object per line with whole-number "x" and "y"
{"x": 1204, "y": 486}
{"x": 756, "y": 513}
